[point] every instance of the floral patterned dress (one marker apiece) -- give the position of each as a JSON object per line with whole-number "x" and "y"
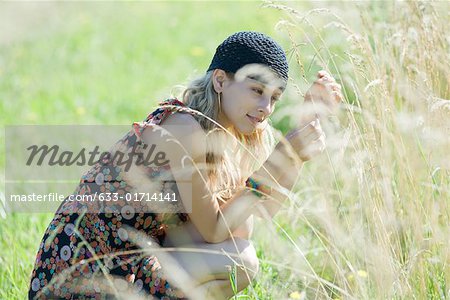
{"x": 79, "y": 247}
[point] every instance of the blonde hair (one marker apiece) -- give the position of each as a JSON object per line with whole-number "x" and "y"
{"x": 226, "y": 171}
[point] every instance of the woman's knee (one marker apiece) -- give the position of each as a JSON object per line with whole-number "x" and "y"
{"x": 216, "y": 262}
{"x": 247, "y": 263}
{"x": 241, "y": 257}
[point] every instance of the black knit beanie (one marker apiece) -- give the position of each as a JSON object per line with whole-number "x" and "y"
{"x": 249, "y": 47}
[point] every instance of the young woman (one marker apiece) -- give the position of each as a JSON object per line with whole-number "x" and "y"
{"x": 217, "y": 160}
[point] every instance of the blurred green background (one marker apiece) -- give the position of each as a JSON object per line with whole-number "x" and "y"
{"x": 107, "y": 63}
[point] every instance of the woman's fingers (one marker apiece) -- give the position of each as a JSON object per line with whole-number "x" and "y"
{"x": 311, "y": 129}
{"x": 333, "y": 90}
{"x": 337, "y": 96}
{"x": 325, "y": 78}
{"x": 335, "y": 86}
{"x": 323, "y": 73}
{"x": 328, "y": 83}
{"x": 308, "y": 141}
{"x": 313, "y": 148}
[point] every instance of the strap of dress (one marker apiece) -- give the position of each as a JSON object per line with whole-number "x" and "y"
{"x": 165, "y": 109}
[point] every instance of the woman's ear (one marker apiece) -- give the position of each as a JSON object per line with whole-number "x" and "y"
{"x": 219, "y": 77}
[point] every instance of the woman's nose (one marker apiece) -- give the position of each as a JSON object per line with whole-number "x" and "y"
{"x": 265, "y": 106}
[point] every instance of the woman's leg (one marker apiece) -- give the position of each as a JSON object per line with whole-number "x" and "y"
{"x": 209, "y": 265}
{"x": 216, "y": 289}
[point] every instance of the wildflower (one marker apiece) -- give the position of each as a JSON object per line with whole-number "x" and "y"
{"x": 297, "y": 295}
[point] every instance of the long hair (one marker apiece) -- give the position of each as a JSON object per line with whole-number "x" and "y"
{"x": 227, "y": 169}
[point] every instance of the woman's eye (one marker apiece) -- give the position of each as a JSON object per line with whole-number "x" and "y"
{"x": 258, "y": 91}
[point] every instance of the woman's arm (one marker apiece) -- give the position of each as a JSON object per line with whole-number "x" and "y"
{"x": 245, "y": 230}
{"x": 280, "y": 172}
{"x": 186, "y": 152}
{"x": 187, "y": 158}
{"x": 187, "y": 234}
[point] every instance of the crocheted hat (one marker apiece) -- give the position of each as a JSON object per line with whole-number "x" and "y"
{"x": 249, "y": 47}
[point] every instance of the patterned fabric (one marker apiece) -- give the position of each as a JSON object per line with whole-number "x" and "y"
{"x": 80, "y": 246}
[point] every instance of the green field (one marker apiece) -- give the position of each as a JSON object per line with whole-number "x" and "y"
{"x": 369, "y": 218}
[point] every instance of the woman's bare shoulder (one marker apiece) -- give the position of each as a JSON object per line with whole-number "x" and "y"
{"x": 182, "y": 119}
{"x": 188, "y": 131}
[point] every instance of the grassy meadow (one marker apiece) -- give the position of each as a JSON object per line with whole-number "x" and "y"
{"x": 368, "y": 219}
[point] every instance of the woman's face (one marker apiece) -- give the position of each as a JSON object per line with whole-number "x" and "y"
{"x": 249, "y": 99}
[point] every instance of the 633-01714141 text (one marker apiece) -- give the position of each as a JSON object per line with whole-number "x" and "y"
{"x": 138, "y": 197}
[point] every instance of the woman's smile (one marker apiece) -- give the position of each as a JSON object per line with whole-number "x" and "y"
{"x": 255, "y": 121}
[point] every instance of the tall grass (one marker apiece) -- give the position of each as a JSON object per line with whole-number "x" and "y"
{"x": 370, "y": 219}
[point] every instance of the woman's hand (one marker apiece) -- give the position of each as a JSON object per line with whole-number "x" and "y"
{"x": 308, "y": 141}
{"x": 322, "y": 99}
{"x": 324, "y": 95}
